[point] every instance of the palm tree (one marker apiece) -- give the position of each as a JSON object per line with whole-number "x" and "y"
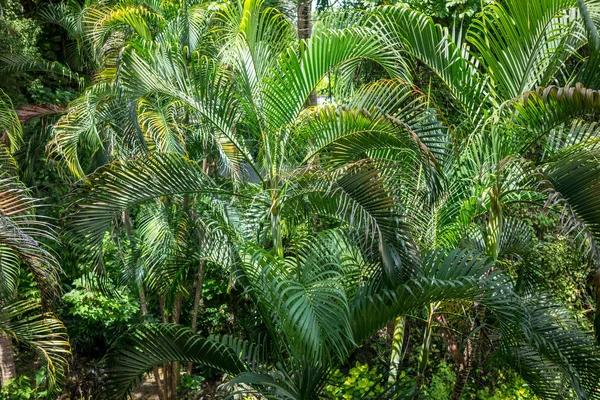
{"x": 381, "y": 161}
{"x": 22, "y": 237}
{"x": 316, "y": 306}
{"x": 495, "y": 75}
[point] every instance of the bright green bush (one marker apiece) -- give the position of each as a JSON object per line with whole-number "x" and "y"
{"x": 360, "y": 381}
{"x": 189, "y": 386}
{"x": 442, "y": 382}
{"x": 508, "y": 387}
{"x": 94, "y": 307}
{"x": 24, "y": 388}
{"x": 19, "y": 388}
{"x": 503, "y": 386}
{"x": 95, "y": 319}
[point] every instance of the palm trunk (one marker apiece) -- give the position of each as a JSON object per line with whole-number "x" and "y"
{"x": 143, "y": 304}
{"x": 493, "y": 237}
{"x": 276, "y": 233}
{"x": 397, "y": 342}
{"x": 495, "y": 225}
{"x": 144, "y": 311}
{"x": 464, "y": 368}
{"x": 449, "y": 339}
{"x": 7, "y": 359}
{"x": 166, "y": 366}
{"x": 304, "y": 19}
{"x": 197, "y": 303}
{"x": 174, "y": 366}
{"x": 304, "y": 32}
{"x": 427, "y": 335}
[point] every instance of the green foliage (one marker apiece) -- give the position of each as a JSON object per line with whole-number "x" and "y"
{"x": 24, "y": 388}
{"x": 442, "y": 9}
{"x": 508, "y": 386}
{"x": 94, "y": 307}
{"x": 360, "y": 381}
{"x": 442, "y": 381}
{"x": 491, "y": 385}
{"x": 414, "y": 189}
{"x": 17, "y": 33}
{"x": 189, "y": 386}
{"x": 214, "y": 315}
{"x": 40, "y": 94}
{"x": 19, "y": 388}
{"x": 96, "y": 318}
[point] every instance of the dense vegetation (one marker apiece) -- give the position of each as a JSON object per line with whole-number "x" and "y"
{"x": 246, "y": 199}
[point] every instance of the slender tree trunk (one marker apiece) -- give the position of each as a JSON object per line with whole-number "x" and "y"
{"x": 397, "y": 342}
{"x": 304, "y": 19}
{"x": 427, "y": 336}
{"x": 143, "y": 303}
{"x": 197, "y": 303}
{"x": 493, "y": 239}
{"x": 276, "y": 232}
{"x": 166, "y": 366}
{"x": 7, "y": 359}
{"x": 449, "y": 339}
{"x": 199, "y": 279}
{"x": 495, "y": 226}
{"x": 174, "y": 366}
{"x": 144, "y": 310}
{"x": 304, "y": 32}
{"x": 464, "y": 368}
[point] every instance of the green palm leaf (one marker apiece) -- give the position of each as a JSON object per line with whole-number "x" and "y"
{"x": 154, "y": 344}
{"x": 292, "y": 81}
{"x": 416, "y": 35}
{"x": 126, "y": 183}
{"x": 42, "y": 332}
{"x": 10, "y": 126}
{"x": 522, "y": 44}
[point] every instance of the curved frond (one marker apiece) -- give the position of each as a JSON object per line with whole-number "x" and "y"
{"x": 292, "y": 81}
{"x": 42, "y": 332}
{"x": 445, "y": 52}
{"x": 22, "y": 238}
{"x": 151, "y": 345}
{"x": 556, "y": 356}
{"x": 522, "y": 44}
{"x": 126, "y": 183}
{"x": 10, "y": 126}
{"x": 459, "y": 275}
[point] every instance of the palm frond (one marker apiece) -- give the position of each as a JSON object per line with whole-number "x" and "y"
{"x": 539, "y": 115}
{"x": 459, "y": 275}
{"x": 96, "y": 125}
{"x": 22, "y": 238}
{"x": 307, "y": 299}
{"x": 363, "y": 198}
{"x": 556, "y": 356}
{"x": 151, "y": 345}
{"x": 198, "y": 83}
{"x": 125, "y": 183}
{"x": 522, "y": 44}
{"x": 388, "y": 115}
{"x": 445, "y": 52}
{"x": 574, "y": 183}
{"x": 292, "y": 81}
{"x": 10, "y": 126}
{"x": 42, "y": 332}
{"x": 16, "y": 63}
